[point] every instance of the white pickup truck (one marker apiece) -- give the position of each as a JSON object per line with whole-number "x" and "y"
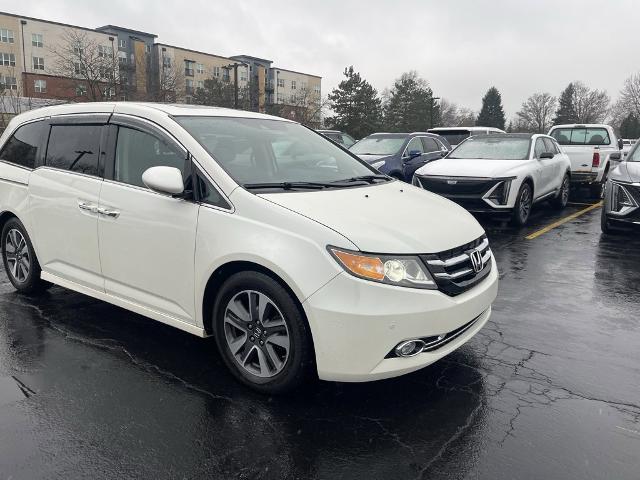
{"x": 593, "y": 149}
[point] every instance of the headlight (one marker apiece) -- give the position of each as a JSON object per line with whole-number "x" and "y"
{"x": 622, "y": 201}
{"x": 499, "y": 194}
{"x": 378, "y": 164}
{"x": 401, "y": 270}
{"x": 415, "y": 181}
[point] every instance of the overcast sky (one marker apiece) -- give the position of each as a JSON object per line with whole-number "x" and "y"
{"x": 461, "y": 47}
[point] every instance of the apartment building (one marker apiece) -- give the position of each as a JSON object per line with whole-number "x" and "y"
{"x": 42, "y": 59}
{"x": 188, "y": 69}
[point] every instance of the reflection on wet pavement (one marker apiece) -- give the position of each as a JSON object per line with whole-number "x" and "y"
{"x": 548, "y": 389}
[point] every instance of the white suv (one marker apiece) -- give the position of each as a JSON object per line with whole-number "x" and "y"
{"x": 295, "y": 255}
{"x": 502, "y": 174}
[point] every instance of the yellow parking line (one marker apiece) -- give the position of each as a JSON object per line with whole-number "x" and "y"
{"x": 564, "y": 220}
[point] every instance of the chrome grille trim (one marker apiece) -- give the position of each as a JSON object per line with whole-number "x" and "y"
{"x": 459, "y": 259}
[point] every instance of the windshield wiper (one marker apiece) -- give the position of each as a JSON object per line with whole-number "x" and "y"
{"x": 288, "y": 185}
{"x": 364, "y": 178}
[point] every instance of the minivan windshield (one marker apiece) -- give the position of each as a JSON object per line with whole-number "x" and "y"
{"x": 493, "y": 148}
{"x": 581, "y": 136}
{"x": 256, "y": 152}
{"x": 379, "y": 145}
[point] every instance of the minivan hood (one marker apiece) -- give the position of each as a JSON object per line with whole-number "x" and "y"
{"x": 458, "y": 167}
{"x": 393, "y": 217}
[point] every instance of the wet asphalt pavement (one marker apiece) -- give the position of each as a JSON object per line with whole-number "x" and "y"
{"x": 550, "y": 388}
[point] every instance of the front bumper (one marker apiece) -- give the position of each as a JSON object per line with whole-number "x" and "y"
{"x": 356, "y": 323}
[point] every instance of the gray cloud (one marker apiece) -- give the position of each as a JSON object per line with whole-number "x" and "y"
{"x": 461, "y": 47}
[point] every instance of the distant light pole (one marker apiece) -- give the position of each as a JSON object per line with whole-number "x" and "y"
{"x": 433, "y": 106}
{"x": 235, "y": 81}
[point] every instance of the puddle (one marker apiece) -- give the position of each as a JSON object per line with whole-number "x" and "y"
{"x": 12, "y": 390}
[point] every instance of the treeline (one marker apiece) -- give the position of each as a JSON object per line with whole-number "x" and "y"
{"x": 410, "y": 105}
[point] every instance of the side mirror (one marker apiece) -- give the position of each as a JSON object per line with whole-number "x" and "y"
{"x": 546, "y": 155}
{"x": 413, "y": 154}
{"x": 620, "y": 144}
{"x": 443, "y": 153}
{"x": 615, "y": 156}
{"x": 164, "y": 180}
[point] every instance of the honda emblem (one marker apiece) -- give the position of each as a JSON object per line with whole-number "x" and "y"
{"x": 476, "y": 260}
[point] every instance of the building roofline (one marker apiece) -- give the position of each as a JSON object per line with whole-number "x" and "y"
{"x": 251, "y": 57}
{"x": 192, "y": 51}
{"x": 294, "y": 71}
{"x": 128, "y": 30}
{"x": 24, "y": 17}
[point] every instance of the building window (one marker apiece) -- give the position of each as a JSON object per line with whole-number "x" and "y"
{"x": 166, "y": 62}
{"x": 243, "y": 75}
{"x": 216, "y": 72}
{"x": 303, "y": 86}
{"x": 122, "y": 43}
{"x": 188, "y": 68}
{"x": 123, "y": 98}
{"x": 40, "y": 86}
{"x": 280, "y": 98}
{"x": 225, "y": 75}
{"x": 189, "y": 85}
{"x": 6, "y": 36}
{"x": 293, "y": 84}
{"x": 108, "y": 92}
{"x": 281, "y": 82}
{"x": 36, "y": 40}
{"x": 124, "y": 79}
{"x": 77, "y": 49}
{"x": 104, "y": 51}
{"x": 8, "y": 59}
{"x": 122, "y": 58}
{"x": 105, "y": 72}
{"x": 293, "y": 99}
{"x": 200, "y": 68}
{"x": 147, "y": 48}
{"x": 79, "y": 68}
{"x": 316, "y": 89}
{"x": 38, "y": 63}
{"x": 200, "y": 84}
{"x": 9, "y": 83}
{"x": 81, "y": 90}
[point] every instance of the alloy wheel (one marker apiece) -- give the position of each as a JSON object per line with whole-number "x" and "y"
{"x": 18, "y": 257}
{"x": 256, "y": 333}
{"x": 525, "y": 204}
{"x": 565, "y": 191}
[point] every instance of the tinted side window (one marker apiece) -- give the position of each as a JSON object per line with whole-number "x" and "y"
{"x": 209, "y": 194}
{"x": 136, "y": 151}
{"x": 75, "y": 148}
{"x": 540, "y": 148}
{"x": 414, "y": 145}
{"x": 22, "y": 148}
{"x": 549, "y": 146}
{"x": 430, "y": 145}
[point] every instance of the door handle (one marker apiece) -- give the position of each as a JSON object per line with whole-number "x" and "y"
{"x": 109, "y": 213}
{"x": 88, "y": 207}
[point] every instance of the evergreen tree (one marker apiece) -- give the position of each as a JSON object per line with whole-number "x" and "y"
{"x": 409, "y": 105}
{"x": 566, "y": 112}
{"x": 492, "y": 113}
{"x": 630, "y": 127}
{"x": 357, "y": 107}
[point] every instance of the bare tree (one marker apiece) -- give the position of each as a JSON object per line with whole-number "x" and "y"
{"x": 628, "y": 103}
{"x": 305, "y": 107}
{"x": 94, "y": 66}
{"x": 592, "y": 106}
{"x": 453, "y": 116}
{"x": 536, "y": 114}
{"x": 166, "y": 81}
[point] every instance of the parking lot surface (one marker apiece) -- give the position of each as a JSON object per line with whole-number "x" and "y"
{"x": 550, "y": 388}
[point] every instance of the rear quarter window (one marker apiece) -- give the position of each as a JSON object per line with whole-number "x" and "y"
{"x": 24, "y": 145}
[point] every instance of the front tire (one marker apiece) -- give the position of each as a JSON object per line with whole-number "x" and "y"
{"x": 605, "y": 224}
{"x": 261, "y": 333}
{"x": 562, "y": 199}
{"x": 523, "y": 205}
{"x": 19, "y": 258}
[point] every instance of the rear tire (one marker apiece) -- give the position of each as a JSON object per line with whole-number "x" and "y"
{"x": 523, "y": 205}
{"x": 261, "y": 334}
{"x": 561, "y": 200}
{"x": 19, "y": 259}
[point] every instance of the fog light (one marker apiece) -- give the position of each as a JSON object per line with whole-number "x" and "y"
{"x": 409, "y": 348}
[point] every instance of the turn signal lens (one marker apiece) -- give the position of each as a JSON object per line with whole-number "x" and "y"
{"x": 368, "y": 267}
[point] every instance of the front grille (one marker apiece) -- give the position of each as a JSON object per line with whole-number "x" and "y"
{"x": 453, "y": 270}
{"x": 457, "y": 186}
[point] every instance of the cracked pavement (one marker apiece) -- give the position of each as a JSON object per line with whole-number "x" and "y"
{"x": 550, "y": 388}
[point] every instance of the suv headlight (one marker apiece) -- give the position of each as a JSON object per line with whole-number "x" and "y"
{"x": 622, "y": 201}
{"x": 400, "y": 270}
{"x": 499, "y": 194}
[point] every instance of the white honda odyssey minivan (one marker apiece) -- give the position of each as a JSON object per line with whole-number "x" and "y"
{"x": 297, "y": 257}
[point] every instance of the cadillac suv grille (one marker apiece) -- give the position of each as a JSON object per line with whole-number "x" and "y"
{"x": 457, "y": 270}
